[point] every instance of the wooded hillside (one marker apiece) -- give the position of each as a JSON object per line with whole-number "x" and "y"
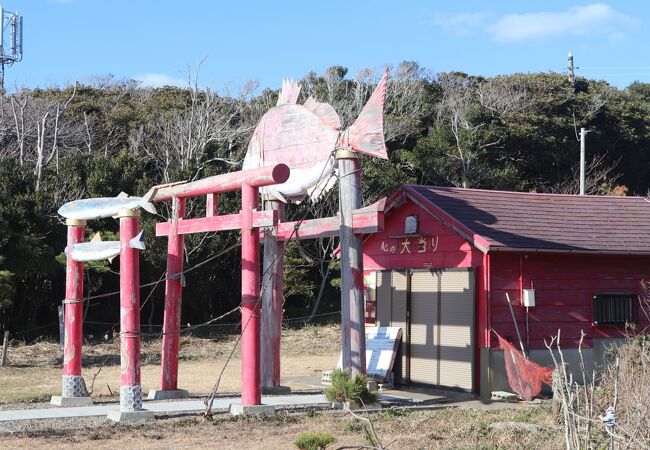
{"x": 97, "y": 138}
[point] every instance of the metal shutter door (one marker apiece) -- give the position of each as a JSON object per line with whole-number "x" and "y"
{"x": 399, "y": 284}
{"x": 383, "y": 298}
{"x": 423, "y": 348}
{"x": 457, "y": 328}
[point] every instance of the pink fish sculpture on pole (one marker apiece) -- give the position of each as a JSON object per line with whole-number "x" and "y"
{"x": 304, "y": 137}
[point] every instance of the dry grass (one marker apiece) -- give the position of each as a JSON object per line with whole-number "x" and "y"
{"x": 35, "y": 375}
{"x": 449, "y": 428}
{"x": 34, "y": 372}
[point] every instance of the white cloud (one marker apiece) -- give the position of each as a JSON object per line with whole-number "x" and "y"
{"x": 156, "y": 80}
{"x": 594, "y": 19}
{"x": 462, "y": 24}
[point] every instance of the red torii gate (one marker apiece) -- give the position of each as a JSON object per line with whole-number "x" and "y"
{"x": 249, "y": 220}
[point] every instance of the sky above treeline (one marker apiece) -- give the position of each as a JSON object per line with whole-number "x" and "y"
{"x": 155, "y": 41}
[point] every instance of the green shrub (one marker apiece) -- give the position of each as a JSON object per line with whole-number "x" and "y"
{"x": 347, "y": 389}
{"x": 313, "y": 441}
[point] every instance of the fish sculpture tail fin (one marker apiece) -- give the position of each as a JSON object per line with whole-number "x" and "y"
{"x": 289, "y": 93}
{"x": 138, "y": 241}
{"x": 151, "y": 193}
{"x": 366, "y": 134}
{"x": 146, "y": 200}
{"x": 149, "y": 207}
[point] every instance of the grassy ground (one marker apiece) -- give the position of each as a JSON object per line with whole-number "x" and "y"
{"x": 34, "y": 371}
{"x": 448, "y": 428}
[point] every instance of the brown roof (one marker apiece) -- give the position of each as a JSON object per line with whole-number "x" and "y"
{"x": 502, "y": 220}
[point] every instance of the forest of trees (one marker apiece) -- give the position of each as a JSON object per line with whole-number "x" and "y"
{"x": 103, "y": 136}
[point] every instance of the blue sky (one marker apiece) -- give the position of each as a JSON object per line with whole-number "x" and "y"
{"x": 154, "y": 41}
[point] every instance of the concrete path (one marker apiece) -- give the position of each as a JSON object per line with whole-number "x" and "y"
{"x": 219, "y": 405}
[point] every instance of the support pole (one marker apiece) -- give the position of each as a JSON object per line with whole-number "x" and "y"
{"x": 352, "y": 317}
{"x": 172, "y": 318}
{"x": 130, "y": 390}
{"x": 73, "y": 386}
{"x": 250, "y": 295}
{"x": 5, "y": 347}
{"x": 272, "y": 305}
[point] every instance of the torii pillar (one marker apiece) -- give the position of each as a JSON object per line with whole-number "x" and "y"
{"x": 73, "y": 387}
{"x": 130, "y": 389}
{"x": 272, "y": 304}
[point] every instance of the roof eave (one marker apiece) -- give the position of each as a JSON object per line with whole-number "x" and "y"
{"x": 575, "y": 251}
{"x": 476, "y": 240}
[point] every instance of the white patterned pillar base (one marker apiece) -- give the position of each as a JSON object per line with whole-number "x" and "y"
{"x": 73, "y": 386}
{"x": 130, "y": 398}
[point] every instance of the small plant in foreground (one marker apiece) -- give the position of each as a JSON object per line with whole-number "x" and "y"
{"x": 344, "y": 388}
{"x": 313, "y": 441}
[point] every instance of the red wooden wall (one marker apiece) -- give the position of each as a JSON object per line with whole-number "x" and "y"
{"x": 564, "y": 287}
{"x": 451, "y": 249}
{"x": 442, "y": 247}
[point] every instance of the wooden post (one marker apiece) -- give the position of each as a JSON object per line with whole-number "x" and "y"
{"x": 5, "y": 346}
{"x": 352, "y": 324}
{"x": 272, "y": 304}
{"x": 250, "y": 295}
{"x": 130, "y": 389}
{"x": 173, "y": 299}
{"x": 212, "y": 205}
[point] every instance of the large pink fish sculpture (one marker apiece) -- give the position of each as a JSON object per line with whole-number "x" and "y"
{"x": 305, "y": 137}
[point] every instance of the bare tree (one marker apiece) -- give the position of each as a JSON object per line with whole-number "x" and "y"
{"x": 42, "y": 129}
{"x": 504, "y": 95}
{"x": 180, "y": 139}
{"x": 600, "y": 177}
{"x": 457, "y": 111}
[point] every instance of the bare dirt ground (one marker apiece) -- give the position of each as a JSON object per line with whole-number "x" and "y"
{"x": 35, "y": 371}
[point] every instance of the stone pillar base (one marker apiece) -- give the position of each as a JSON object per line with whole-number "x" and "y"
{"x": 71, "y": 401}
{"x": 276, "y": 390}
{"x": 73, "y": 392}
{"x": 237, "y": 409}
{"x": 160, "y": 394}
{"x": 73, "y": 386}
{"x": 142, "y": 415}
{"x": 130, "y": 398}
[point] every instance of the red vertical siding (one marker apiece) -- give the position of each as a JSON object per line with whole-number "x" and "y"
{"x": 447, "y": 250}
{"x": 564, "y": 287}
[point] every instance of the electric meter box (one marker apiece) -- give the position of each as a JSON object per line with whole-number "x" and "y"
{"x": 529, "y": 298}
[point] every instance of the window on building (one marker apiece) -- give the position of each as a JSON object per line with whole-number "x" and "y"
{"x": 614, "y": 308}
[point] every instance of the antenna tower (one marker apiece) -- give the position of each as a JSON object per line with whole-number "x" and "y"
{"x": 12, "y": 22}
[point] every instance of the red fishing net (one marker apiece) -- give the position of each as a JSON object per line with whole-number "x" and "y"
{"x": 525, "y": 377}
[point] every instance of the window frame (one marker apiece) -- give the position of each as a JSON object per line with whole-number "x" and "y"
{"x": 632, "y": 317}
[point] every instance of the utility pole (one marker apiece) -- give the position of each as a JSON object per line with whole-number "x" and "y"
{"x": 571, "y": 70}
{"x": 583, "y": 135}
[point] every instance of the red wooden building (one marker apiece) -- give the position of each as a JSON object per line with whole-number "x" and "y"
{"x": 446, "y": 258}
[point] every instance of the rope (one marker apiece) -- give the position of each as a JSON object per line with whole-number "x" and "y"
{"x": 272, "y": 266}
